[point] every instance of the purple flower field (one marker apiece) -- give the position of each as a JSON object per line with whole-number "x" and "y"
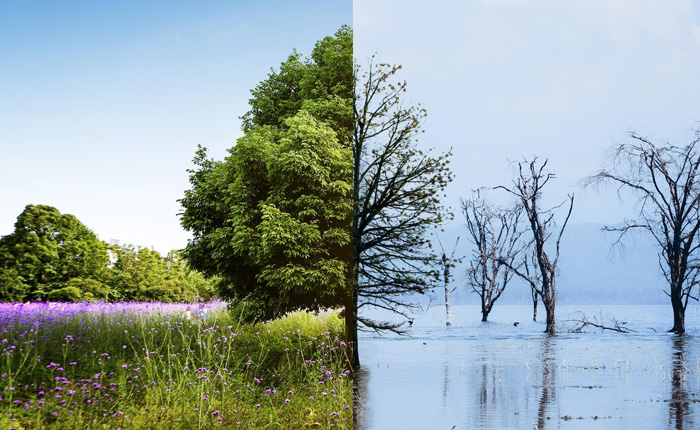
{"x": 155, "y": 365}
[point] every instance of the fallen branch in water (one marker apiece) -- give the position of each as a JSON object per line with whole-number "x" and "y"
{"x": 616, "y": 326}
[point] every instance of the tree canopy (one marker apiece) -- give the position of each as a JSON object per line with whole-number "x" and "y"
{"x": 53, "y": 256}
{"x": 397, "y": 187}
{"x": 665, "y": 179}
{"x": 540, "y": 259}
{"x": 46, "y": 250}
{"x": 273, "y": 218}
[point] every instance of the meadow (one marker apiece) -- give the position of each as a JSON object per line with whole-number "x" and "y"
{"x": 174, "y": 366}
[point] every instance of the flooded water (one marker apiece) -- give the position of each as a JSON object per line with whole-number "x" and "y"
{"x": 496, "y": 375}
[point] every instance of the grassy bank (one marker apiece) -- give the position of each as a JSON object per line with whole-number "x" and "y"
{"x": 155, "y": 366}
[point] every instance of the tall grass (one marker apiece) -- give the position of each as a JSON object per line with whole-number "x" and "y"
{"x": 134, "y": 366}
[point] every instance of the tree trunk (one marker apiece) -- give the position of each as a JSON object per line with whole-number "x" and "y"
{"x": 448, "y": 310}
{"x": 678, "y": 312}
{"x": 534, "y": 305}
{"x": 485, "y": 309}
{"x": 549, "y": 309}
{"x": 350, "y": 332}
{"x": 356, "y": 240}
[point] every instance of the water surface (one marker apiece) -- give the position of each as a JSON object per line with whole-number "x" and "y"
{"x": 496, "y": 375}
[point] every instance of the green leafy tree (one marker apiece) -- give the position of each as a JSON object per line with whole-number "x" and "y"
{"x": 135, "y": 270}
{"x": 273, "y": 219}
{"x": 279, "y": 233}
{"x": 177, "y": 269}
{"x": 322, "y": 85}
{"x": 46, "y": 250}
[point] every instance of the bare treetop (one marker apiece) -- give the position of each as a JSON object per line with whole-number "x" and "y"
{"x": 665, "y": 180}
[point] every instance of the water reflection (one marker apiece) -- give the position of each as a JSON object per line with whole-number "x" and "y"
{"x": 548, "y": 397}
{"x": 679, "y": 416}
{"x": 498, "y": 377}
{"x": 446, "y": 387}
{"x": 359, "y": 388}
{"x": 485, "y": 377}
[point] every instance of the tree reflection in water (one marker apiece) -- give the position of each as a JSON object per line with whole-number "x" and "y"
{"x": 360, "y": 384}
{"x": 548, "y": 398}
{"x": 679, "y": 417}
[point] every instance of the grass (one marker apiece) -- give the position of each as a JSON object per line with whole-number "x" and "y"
{"x": 131, "y": 366}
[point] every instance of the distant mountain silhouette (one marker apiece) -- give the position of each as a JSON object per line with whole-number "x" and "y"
{"x": 591, "y": 269}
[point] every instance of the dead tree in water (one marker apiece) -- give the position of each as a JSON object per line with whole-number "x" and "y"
{"x": 529, "y": 260}
{"x": 495, "y": 236}
{"x": 666, "y": 180}
{"x": 447, "y": 263}
{"x": 527, "y": 188}
{"x": 616, "y": 325}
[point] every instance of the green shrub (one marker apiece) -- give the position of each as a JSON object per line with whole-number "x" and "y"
{"x": 66, "y": 294}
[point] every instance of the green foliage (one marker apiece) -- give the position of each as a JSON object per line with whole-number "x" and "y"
{"x": 321, "y": 85}
{"x": 171, "y": 291}
{"x": 65, "y": 294}
{"x": 11, "y": 288}
{"x": 91, "y": 290}
{"x": 135, "y": 270}
{"x": 273, "y": 219}
{"x": 54, "y": 256}
{"x": 279, "y": 231}
{"x": 47, "y": 249}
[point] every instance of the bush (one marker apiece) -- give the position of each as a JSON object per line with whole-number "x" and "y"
{"x": 66, "y": 294}
{"x": 91, "y": 290}
{"x": 171, "y": 291}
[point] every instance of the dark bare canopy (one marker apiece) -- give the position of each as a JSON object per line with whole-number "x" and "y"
{"x": 495, "y": 237}
{"x": 397, "y": 188}
{"x": 539, "y": 263}
{"x": 664, "y": 179}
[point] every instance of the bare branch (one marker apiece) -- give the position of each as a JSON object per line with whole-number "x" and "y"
{"x": 664, "y": 178}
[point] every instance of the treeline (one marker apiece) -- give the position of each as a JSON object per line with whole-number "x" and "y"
{"x": 53, "y": 256}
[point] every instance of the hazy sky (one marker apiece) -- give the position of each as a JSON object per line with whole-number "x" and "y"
{"x": 102, "y": 104}
{"x": 506, "y": 79}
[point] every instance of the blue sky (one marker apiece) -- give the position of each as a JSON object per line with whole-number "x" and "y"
{"x": 564, "y": 80}
{"x": 102, "y": 104}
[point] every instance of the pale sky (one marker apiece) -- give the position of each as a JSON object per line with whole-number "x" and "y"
{"x": 102, "y": 104}
{"x": 564, "y": 80}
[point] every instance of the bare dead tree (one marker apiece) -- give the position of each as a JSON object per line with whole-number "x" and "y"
{"x": 539, "y": 270}
{"x": 495, "y": 235}
{"x": 397, "y": 188}
{"x": 447, "y": 263}
{"x": 665, "y": 181}
{"x": 530, "y": 261}
{"x": 613, "y": 325}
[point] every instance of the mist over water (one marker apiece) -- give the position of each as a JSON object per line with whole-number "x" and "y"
{"x": 496, "y": 375}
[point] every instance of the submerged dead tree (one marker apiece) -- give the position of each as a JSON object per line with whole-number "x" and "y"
{"x": 495, "y": 236}
{"x": 541, "y": 265}
{"x": 447, "y": 263}
{"x": 666, "y": 182}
